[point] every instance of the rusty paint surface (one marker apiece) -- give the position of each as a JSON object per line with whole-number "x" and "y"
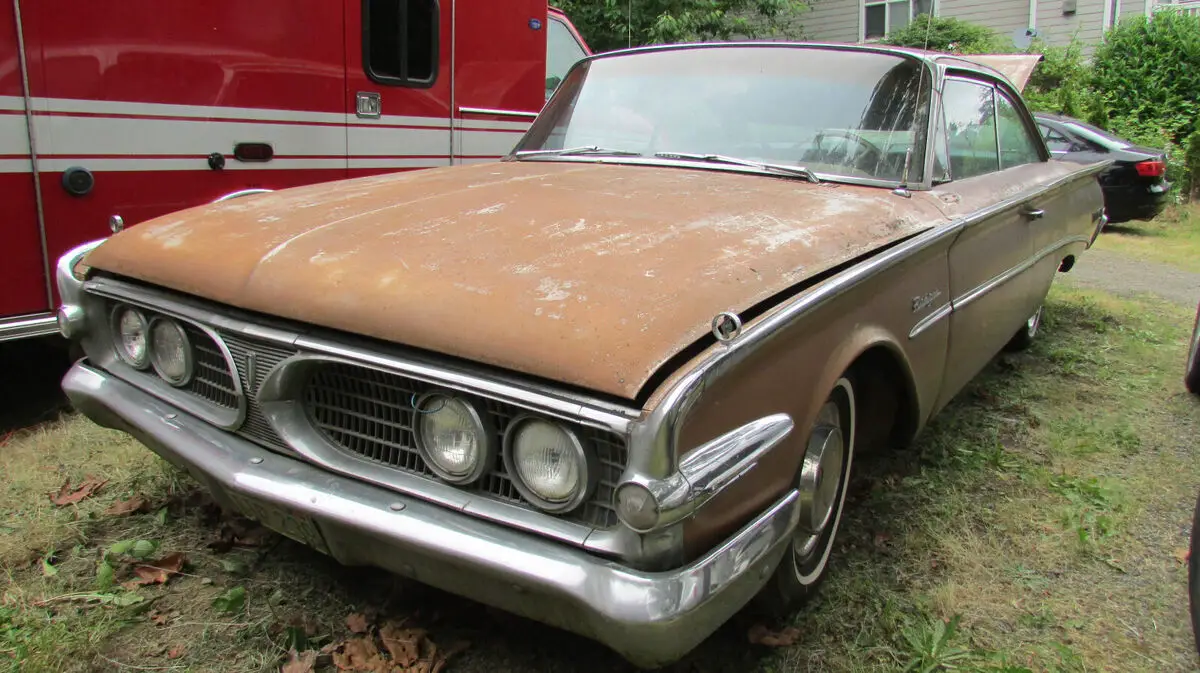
{"x": 589, "y": 274}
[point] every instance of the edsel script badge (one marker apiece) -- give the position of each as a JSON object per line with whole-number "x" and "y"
{"x": 925, "y": 300}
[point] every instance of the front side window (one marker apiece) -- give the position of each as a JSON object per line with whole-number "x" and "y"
{"x": 562, "y": 52}
{"x": 971, "y": 128}
{"x": 883, "y": 17}
{"x": 837, "y": 113}
{"x": 1018, "y": 146}
{"x": 400, "y": 41}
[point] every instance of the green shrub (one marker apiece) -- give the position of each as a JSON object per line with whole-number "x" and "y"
{"x": 949, "y": 35}
{"x": 1147, "y": 73}
{"x": 1146, "y": 79}
{"x": 1061, "y": 83}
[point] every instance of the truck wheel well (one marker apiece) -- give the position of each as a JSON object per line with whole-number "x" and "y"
{"x": 885, "y": 398}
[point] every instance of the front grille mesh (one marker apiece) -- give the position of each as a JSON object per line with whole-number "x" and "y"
{"x": 369, "y": 413}
{"x": 256, "y": 428}
{"x": 210, "y": 373}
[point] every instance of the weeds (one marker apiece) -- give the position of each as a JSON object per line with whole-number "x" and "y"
{"x": 1032, "y": 527}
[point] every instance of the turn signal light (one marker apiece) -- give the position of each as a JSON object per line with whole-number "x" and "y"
{"x": 1151, "y": 168}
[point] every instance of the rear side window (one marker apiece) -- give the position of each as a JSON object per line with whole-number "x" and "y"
{"x": 400, "y": 41}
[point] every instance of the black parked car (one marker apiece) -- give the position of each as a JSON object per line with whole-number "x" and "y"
{"x": 1135, "y": 186}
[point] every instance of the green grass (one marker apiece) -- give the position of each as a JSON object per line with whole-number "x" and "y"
{"x": 1034, "y": 526}
{"x": 1172, "y": 238}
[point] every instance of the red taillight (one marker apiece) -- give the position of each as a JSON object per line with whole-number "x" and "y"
{"x": 1151, "y": 168}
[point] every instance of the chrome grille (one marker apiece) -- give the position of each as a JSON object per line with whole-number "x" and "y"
{"x": 210, "y": 373}
{"x": 256, "y": 428}
{"x": 369, "y": 413}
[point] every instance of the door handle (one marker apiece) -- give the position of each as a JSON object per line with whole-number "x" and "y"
{"x": 1033, "y": 213}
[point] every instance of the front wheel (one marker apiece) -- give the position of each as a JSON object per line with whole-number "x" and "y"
{"x": 822, "y": 479}
{"x": 1194, "y": 575}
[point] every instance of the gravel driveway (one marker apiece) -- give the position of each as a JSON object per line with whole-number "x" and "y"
{"x": 1127, "y": 276}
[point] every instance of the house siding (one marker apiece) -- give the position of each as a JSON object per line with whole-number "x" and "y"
{"x": 831, "y": 21}
{"x": 1002, "y": 16}
{"x": 1086, "y": 25}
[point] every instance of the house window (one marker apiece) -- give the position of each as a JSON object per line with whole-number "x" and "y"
{"x": 883, "y": 17}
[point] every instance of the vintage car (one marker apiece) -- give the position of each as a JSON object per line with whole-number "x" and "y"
{"x": 616, "y": 381}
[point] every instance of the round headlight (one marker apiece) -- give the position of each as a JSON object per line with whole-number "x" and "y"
{"x": 133, "y": 345}
{"x": 170, "y": 351}
{"x": 548, "y": 464}
{"x": 452, "y": 435}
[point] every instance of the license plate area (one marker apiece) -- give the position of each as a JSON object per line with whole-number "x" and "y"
{"x": 283, "y": 520}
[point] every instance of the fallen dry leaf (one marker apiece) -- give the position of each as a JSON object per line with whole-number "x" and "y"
{"x": 159, "y": 618}
{"x": 69, "y": 496}
{"x": 761, "y": 635}
{"x": 360, "y": 655}
{"x": 130, "y": 506}
{"x": 881, "y": 540}
{"x": 303, "y": 662}
{"x": 356, "y": 622}
{"x": 176, "y": 652}
{"x": 1182, "y": 554}
{"x": 158, "y": 572}
{"x": 404, "y": 645}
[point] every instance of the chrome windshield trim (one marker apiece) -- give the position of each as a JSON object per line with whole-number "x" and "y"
{"x": 240, "y": 193}
{"x": 696, "y": 165}
{"x": 532, "y": 396}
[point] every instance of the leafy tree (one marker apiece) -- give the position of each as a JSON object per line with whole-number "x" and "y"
{"x": 948, "y": 35}
{"x": 616, "y": 24}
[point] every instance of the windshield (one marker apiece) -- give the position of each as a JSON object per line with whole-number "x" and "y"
{"x": 838, "y": 113}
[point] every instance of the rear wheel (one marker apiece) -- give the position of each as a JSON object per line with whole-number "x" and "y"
{"x": 1191, "y": 374}
{"x": 1024, "y": 337}
{"x": 821, "y": 481}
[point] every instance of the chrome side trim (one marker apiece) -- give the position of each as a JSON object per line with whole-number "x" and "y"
{"x": 930, "y": 320}
{"x": 706, "y": 471}
{"x": 33, "y": 155}
{"x": 996, "y": 281}
{"x": 241, "y": 192}
{"x": 27, "y": 326}
{"x": 656, "y": 439}
{"x": 521, "y": 114}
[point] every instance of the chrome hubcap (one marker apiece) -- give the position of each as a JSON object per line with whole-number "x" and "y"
{"x": 820, "y": 477}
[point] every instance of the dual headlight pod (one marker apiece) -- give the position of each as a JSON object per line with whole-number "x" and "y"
{"x": 547, "y": 462}
{"x": 157, "y": 342}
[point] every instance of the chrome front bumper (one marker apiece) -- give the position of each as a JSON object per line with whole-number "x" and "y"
{"x": 651, "y": 618}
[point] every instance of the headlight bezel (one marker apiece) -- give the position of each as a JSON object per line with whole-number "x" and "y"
{"x": 114, "y": 321}
{"x": 189, "y": 357}
{"x": 483, "y": 426}
{"x": 586, "y": 461}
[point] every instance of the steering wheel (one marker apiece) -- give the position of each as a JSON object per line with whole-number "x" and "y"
{"x": 868, "y": 148}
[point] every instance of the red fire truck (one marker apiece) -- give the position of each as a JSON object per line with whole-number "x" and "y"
{"x": 115, "y": 112}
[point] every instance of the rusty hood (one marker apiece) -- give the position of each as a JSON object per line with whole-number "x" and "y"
{"x": 589, "y": 274}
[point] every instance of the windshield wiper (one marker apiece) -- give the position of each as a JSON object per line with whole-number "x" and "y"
{"x": 569, "y": 151}
{"x": 799, "y": 171}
